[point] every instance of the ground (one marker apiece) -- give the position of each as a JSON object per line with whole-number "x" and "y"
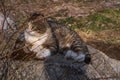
{"x": 58, "y": 68}
{"x": 97, "y": 21}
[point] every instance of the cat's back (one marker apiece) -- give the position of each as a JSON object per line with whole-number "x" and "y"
{"x": 60, "y": 30}
{"x": 63, "y": 32}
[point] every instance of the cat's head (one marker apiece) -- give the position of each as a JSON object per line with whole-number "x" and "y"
{"x": 36, "y": 25}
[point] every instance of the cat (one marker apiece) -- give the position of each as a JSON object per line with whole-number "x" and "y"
{"x": 47, "y": 37}
{"x": 70, "y": 43}
{"x": 39, "y": 38}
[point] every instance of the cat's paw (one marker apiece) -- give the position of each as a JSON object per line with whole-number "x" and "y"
{"x": 70, "y": 55}
{"x": 87, "y": 59}
{"x": 44, "y": 53}
{"x": 75, "y": 56}
{"x": 81, "y": 57}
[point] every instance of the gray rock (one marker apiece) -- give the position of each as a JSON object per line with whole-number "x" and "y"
{"x": 58, "y": 68}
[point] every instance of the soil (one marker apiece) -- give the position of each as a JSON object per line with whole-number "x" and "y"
{"x": 22, "y": 9}
{"x": 113, "y": 51}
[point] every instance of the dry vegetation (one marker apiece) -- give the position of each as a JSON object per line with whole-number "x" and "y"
{"x": 97, "y": 21}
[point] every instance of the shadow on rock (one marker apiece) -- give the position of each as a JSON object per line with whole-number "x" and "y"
{"x": 58, "y": 68}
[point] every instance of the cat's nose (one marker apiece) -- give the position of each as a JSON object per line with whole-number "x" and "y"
{"x": 87, "y": 59}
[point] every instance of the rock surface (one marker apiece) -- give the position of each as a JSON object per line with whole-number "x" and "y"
{"x": 58, "y": 68}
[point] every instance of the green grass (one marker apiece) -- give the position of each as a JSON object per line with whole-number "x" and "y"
{"x": 110, "y": 11}
{"x": 105, "y": 19}
{"x": 102, "y": 19}
{"x": 98, "y": 22}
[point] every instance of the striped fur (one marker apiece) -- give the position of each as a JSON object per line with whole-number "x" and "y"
{"x": 39, "y": 38}
{"x": 58, "y": 37}
{"x": 70, "y": 43}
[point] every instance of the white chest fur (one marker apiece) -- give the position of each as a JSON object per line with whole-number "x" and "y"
{"x": 35, "y": 41}
{"x": 37, "y": 45}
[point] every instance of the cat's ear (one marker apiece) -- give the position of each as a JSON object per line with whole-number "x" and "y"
{"x": 34, "y": 16}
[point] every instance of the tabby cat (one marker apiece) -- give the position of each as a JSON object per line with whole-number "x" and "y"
{"x": 39, "y": 38}
{"x": 48, "y": 37}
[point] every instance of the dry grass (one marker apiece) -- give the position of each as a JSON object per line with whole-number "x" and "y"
{"x": 100, "y": 38}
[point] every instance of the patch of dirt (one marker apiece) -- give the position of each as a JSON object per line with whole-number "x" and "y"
{"x": 69, "y": 8}
{"x": 113, "y": 51}
{"x": 96, "y": 40}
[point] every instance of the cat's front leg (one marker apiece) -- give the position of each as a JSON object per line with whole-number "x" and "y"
{"x": 70, "y": 54}
{"x": 79, "y": 57}
{"x": 75, "y": 56}
{"x": 43, "y": 53}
